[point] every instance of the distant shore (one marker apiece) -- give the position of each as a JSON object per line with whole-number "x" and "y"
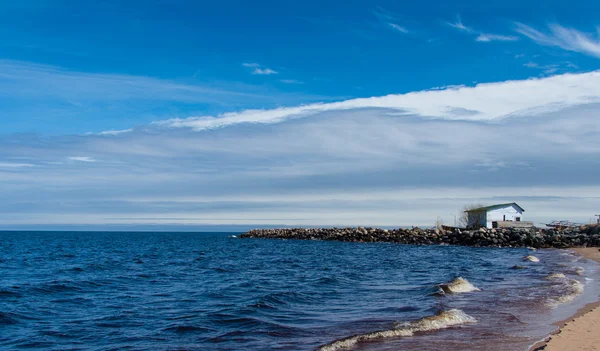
{"x": 581, "y": 331}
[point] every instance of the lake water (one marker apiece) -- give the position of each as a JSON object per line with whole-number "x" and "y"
{"x": 210, "y": 291}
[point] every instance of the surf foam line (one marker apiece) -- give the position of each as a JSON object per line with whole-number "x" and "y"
{"x": 568, "y": 288}
{"x": 457, "y": 286}
{"x": 442, "y": 320}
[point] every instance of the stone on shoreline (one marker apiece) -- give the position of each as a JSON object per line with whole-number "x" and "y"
{"x": 507, "y": 237}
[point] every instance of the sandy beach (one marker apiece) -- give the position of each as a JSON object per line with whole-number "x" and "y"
{"x": 582, "y": 331}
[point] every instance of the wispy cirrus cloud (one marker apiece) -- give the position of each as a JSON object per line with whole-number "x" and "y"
{"x": 457, "y": 24}
{"x": 30, "y": 80}
{"x": 14, "y": 165}
{"x": 264, "y": 71}
{"x": 485, "y": 37}
{"x": 398, "y": 28}
{"x": 482, "y": 37}
{"x": 115, "y": 132}
{"x": 259, "y": 69}
{"x": 552, "y": 68}
{"x": 75, "y": 101}
{"x": 82, "y": 159}
{"x": 291, "y": 81}
{"x": 389, "y": 19}
{"x": 566, "y": 38}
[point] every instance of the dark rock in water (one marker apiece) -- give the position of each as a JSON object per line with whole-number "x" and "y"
{"x": 507, "y": 237}
{"x": 518, "y": 267}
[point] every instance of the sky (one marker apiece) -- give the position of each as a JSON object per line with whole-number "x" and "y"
{"x": 233, "y": 114}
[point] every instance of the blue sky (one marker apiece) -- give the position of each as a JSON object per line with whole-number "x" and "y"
{"x": 278, "y": 112}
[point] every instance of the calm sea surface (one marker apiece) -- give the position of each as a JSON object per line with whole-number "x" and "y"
{"x": 209, "y": 291}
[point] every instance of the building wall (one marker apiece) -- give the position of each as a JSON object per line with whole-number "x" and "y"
{"x": 485, "y": 219}
{"x": 521, "y": 224}
{"x": 477, "y": 219}
{"x": 509, "y": 213}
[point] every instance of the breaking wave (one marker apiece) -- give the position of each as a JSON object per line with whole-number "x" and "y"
{"x": 556, "y": 276}
{"x": 567, "y": 289}
{"x": 442, "y": 320}
{"x": 457, "y": 286}
{"x": 531, "y": 258}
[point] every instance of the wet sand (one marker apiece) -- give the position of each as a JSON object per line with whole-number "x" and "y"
{"x": 581, "y": 331}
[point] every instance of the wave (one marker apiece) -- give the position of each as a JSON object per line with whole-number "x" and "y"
{"x": 7, "y": 318}
{"x": 180, "y": 329}
{"x": 281, "y": 298}
{"x": 555, "y": 276}
{"x": 457, "y": 286}
{"x": 531, "y": 258}
{"x": 56, "y": 287}
{"x": 442, "y": 320}
{"x": 9, "y": 293}
{"x": 567, "y": 288}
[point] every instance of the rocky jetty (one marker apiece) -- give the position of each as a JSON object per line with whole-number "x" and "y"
{"x": 505, "y": 237}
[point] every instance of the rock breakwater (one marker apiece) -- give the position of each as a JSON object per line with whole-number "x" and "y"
{"x": 505, "y": 237}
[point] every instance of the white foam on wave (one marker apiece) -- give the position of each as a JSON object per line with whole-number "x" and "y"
{"x": 531, "y": 258}
{"x": 441, "y": 320}
{"x": 458, "y": 285}
{"x": 555, "y": 276}
{"x": 575, "y": 289}
{"x": 568, "y": 288}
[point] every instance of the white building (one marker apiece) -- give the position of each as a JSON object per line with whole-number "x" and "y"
{"x": 501, "y": 215}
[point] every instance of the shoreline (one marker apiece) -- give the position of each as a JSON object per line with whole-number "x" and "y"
{"x": 576, "y": 332}
{"x": 579, "y": 331}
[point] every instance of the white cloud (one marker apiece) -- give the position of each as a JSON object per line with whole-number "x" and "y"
{"x": 28, "y": 80}
{"x": 485, "y": 102}
{"x": 391, "y": 160}
{"x": 459, "y": 25}
{"x": 259, "y": 69}
{"x": 114, "y": 132}
{"x": 81, "y": 158}
{"x": 565, "y": 38}
{"x": 549, "y": 69}
{"x": 264, "y": 71}
{"x": 14, "y": 165}
{"x": 481, "y": 36}
{"x": 387, "y": 18}
{"x": 398, "y": 28}
{"x": 291, "y": 81}
{"x": 485, "y": 37}
{"x": 58, "y": 97}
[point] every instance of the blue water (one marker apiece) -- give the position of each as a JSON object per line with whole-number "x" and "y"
{"x": 208, "y": 291}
